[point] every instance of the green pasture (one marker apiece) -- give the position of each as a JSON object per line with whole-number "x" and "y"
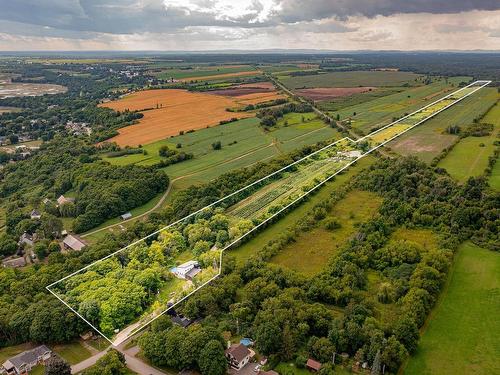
{"x": 470, "y": 156}
{"x": 73, "y": 352}
{"x": 201, "y": 71}
{"x": 381, "y": 111}
{"x": 494, "y": 179}
{"x": 351, "y": 79}
{"x": 428, "y": 139}
{"x": 461, "y": 335}
{"x": 318, "y": 245}
{"x": 244, "y": 142}
{"x": 245, "y": 251}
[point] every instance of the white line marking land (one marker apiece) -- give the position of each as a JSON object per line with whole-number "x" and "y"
{"x": 479, "y": 85}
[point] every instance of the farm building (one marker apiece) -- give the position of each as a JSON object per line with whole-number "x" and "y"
{"x": 25, "y": 361}
{"x": 126, "y": 216}
{"x": 35, "y": 215}
{"x": 187, "y": 271}
{"x": 73, "y": 242}
{"x": 238, "y": 355}
{"x": 313, "y": 365}
{"x": 14, "y": 262}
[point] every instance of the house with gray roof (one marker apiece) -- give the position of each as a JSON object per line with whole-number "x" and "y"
{"x": 25, "y": 361}
{"x": 73, "y": 242}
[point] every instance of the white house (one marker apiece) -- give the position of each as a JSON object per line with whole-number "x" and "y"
{"x": 25, "y": 361}
{"x": 187, "y": 270}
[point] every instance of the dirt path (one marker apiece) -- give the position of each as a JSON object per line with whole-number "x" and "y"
{"x": 167, "y": 192}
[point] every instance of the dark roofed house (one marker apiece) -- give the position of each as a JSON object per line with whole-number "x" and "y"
{"x": 25, "y": 361}
{"x": 181, "y": 321}
{"x": 238, "y": 355}
{"x": 313, "y": 365}
{"x": 73, "y": 242}
{"x": 191, "y": 274}
{"x": 35, "y": 214}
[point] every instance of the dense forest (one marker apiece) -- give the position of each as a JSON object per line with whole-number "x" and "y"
{"x": 72, "y": 166}
{"x": 288, "y": 314}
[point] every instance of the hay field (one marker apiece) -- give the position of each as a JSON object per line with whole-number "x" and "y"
{"x": 326, "y": 93}
{"x": 168, "y": 112}
{"x": 222, "y": 76}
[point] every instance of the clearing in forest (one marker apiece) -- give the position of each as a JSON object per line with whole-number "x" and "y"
{"x": 319, "y": 244}
{"x": 461, "y": 335}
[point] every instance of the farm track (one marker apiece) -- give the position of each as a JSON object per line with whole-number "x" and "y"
{"x": 167, "y": 192}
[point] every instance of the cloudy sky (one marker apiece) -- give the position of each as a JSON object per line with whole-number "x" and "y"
{"x": 249, "y": 24}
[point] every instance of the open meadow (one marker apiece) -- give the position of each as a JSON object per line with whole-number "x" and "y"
{"x": 470, "y": 156}
{"x": 350, "y": 79}
{"x": 461, "y": 335}
{"x": 205, "y": 72}
{"x": 320, "y": 244}
{"x": 428, "y": 140}
{"x": 245, "y": 251}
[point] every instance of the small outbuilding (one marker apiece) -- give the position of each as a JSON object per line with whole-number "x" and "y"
{"x": 126, "y": 216}
{"x": 313, "y": 365}
{"x": 73, "y": 242}
{"x": 14, "y": 262}
{"x": 35, "y": 215}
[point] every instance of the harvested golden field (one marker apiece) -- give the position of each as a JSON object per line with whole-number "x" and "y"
{"x": 221, "y": 76}
{"x": 169, "y": 111}
{"x": 258, "y": 98}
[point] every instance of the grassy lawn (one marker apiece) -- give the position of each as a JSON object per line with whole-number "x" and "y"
{"x": 427, "y": 140}
{"x": 494, "y": 179}
{"x": 73, "y": 352}
{"x": 318, "y": 245}
{"x": 251, "y": 247}
{"x": 468, "y": 158}
{"x": 10, "y": 351}
{"x": 99, "y": 344}
{"x": 461, "y": 336}
{"x": 289, "y": 367}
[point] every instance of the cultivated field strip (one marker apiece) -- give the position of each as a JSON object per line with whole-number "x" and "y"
{"x": 272, "y": 195}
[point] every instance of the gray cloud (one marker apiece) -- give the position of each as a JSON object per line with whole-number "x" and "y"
{"x": 139, "y": 16}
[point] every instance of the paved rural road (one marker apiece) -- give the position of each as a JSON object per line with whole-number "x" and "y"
{"x": 133, "y": 363}
{"x": 353, "y": 135}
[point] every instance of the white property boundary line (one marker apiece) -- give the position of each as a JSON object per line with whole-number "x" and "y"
{"x": 133, "y": 332}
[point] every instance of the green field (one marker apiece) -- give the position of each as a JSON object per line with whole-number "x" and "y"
{"x": 461, "y": 336}
{"x": 244, "y": 142}
{"x": 494, "y": 179}
{"x": 201, "y": 71}
{"x": 251, "y": 247}
{"x": 468, "y": 158}
{"x": 381, "y": 111}
{"x": 72, "y": 353}
{"x": 350, "y": 79}
{"x": 318, "y": 245}
{"x": 427, "y": 140}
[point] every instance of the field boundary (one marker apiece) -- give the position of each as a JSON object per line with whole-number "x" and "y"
{"x": 479, "y": 85}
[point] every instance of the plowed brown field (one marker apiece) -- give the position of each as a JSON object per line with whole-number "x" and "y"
{"x": 167, "y": 112}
